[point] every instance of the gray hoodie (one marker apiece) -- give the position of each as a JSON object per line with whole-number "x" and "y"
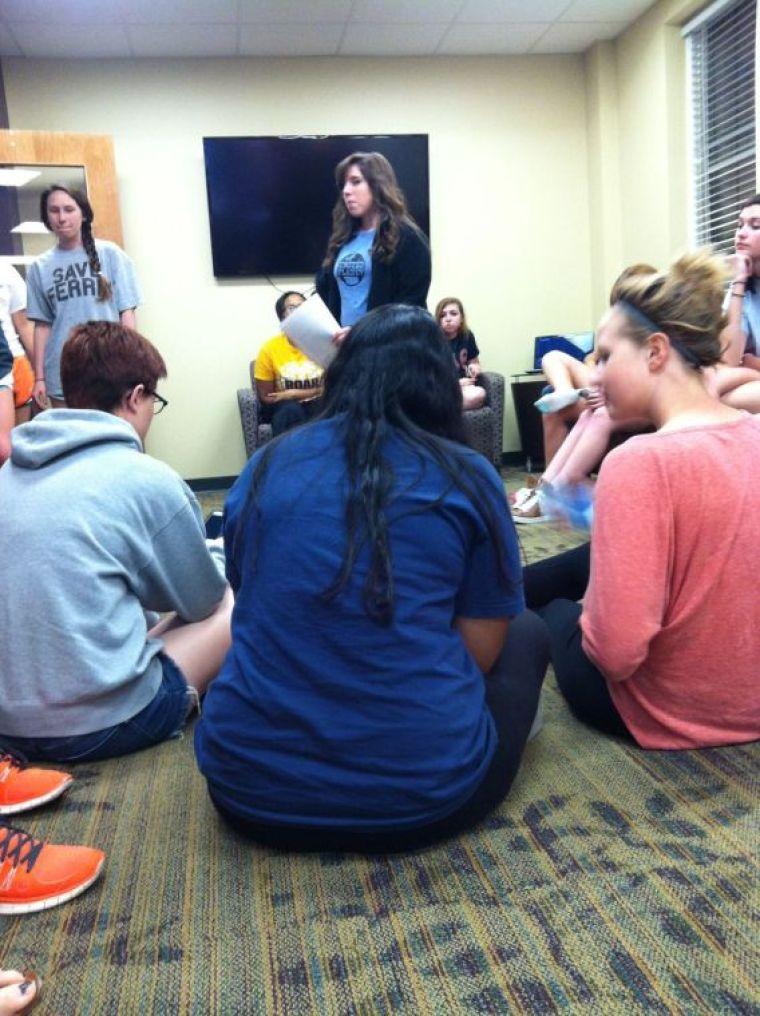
{"x": 92, "y": 534}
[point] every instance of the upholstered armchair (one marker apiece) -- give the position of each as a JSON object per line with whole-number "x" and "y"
{"x": 483, "y": 427}
{"x": 255, "y": 432}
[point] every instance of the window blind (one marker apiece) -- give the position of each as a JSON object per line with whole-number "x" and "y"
{"x": 722, "y": 74}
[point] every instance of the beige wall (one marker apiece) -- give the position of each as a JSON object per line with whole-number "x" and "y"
{"x": 637, "y": 144}
{"x": 605, "y": 207}
{"x": 509, "y": 200}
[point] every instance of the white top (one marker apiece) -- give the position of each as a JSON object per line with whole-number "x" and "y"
{"x": 12, "y": 298}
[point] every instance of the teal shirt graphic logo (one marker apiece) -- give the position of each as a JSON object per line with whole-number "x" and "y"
{"x": 351, "y": 270}
{"x": 353, "y": 273}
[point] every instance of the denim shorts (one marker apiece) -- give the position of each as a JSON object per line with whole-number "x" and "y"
{"x": 162, "y": 718}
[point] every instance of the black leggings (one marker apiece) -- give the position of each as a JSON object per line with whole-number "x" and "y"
{"x": 286, "y": 415}
{"x": 552, "y": 588}
{"x": 512, "y": 690}
{"x": 563, "y": 576}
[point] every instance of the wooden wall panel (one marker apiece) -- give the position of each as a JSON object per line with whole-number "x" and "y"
{"x": 92, "y": 151}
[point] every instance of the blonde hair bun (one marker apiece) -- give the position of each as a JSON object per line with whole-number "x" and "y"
{"x": 686, "y": 302}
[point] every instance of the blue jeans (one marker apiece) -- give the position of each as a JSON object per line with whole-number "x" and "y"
{"x": 162, "y": 718}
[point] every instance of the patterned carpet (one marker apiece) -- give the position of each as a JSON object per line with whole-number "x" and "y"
{"x": 610, "y": 881}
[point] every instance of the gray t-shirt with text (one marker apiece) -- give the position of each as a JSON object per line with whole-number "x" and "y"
{"x": 63, "y": 292}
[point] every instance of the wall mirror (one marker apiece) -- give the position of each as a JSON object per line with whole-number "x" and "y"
{"x": 22, "y": 235}
{"x": 40, "y": 158}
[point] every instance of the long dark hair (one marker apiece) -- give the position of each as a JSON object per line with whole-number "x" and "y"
{"x": 389, "y": 201}
{"x": 392, "y": 373}
{"x": 88, "y": 241}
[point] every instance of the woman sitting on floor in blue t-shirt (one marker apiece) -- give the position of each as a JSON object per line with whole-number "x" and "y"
{"x": 377, "y": 580}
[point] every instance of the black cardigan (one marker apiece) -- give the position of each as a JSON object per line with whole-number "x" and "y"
{"x": 406, "y": 279}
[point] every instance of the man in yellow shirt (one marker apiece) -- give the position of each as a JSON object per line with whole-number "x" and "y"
{"x": 288, "y": 383}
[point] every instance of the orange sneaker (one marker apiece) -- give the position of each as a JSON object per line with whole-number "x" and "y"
{"x": 35, "y": 875}
{"x": 22, "y": 787}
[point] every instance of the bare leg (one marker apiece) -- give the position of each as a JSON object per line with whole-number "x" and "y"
{"x": 563, "y": 372}
{"x": 473, "y": 397}
{"x": 589, "y": 450}
{"x": 556, "y": 427}
{"x": 557, "y": 467}
{"x": 198, "y": 648}
{"x": 23, "y": 414}
{"x": 746, "y": 396}
{"x": 562, "y": 469}
{"x": 722, "y": 379}
{"x": 7, "y": 421}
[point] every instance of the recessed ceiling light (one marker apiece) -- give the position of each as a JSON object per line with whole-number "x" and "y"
{"x": 30, "y": 227}
{"x": 17, "y": 177}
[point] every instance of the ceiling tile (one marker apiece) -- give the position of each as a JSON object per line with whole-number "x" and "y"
{"x": 183, "y": 40}
{"x": 8, "y": 45}
{"x": 605, "y": 10}
{"x": 575, "y": 37}
{"x": 467, "y": 40}
{"x": 53, "y": 28}
{"x": 391, "y": 40}
{"x": 294, "y": 10}
{"x": 178, "y": 12}
{"x": 290, "y": 40}
{"x": 61, "y": 11}
{"x": 69, "y": 41}
{"x": 402, "y": 11}
{"x": 511, "y": 11}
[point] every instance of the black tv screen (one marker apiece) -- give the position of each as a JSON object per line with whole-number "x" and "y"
{"x": 270, "y": 199}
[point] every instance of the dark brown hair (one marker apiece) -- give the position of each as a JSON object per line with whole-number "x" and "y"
{"x": 88, "y": 241}
{"x": 279, "y": 307}
{"x": 101, "y": 361}
{"x": 389, "y": 200}
{"x": 369, "y": 399}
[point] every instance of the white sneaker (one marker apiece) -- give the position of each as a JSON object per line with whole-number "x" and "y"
{"x": 530, "y": 512}
{"x": 552, "y": 402}
{"x": 523, "y": 494}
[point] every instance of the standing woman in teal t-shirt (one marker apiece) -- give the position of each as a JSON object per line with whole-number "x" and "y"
{"x": 376, "y": 253}
{"x": 80, "y": 279}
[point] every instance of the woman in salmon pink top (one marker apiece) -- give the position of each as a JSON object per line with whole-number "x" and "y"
{"x": 665, "y": 647}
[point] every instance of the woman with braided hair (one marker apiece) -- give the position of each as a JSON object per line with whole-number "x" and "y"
{"x": 80, "y": 279}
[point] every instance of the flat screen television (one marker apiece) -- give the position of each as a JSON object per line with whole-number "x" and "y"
{"x": 270, "y": 199}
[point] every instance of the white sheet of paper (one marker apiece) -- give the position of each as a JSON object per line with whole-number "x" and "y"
{"x": 311, "y": 327}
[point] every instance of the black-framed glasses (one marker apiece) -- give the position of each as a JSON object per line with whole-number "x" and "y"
{"x": 159, "y": 403}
